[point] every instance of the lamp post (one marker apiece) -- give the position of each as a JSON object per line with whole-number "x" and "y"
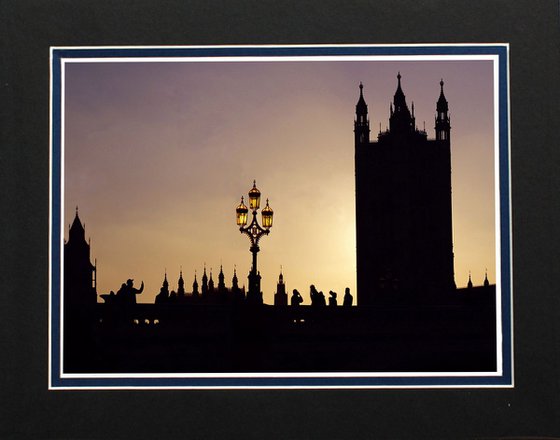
{"x": 254, "y": 231}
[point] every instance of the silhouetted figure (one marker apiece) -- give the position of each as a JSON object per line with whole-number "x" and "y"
{"x": 332, "y": 299}
{"x": 127, "y": 293}
{"x": 314, "y": 295}
{"x": 321, "y": 300}
{"x": 347, "y": 297}
{"x": 121, "y": 294}
{"x": 296, "y": 298}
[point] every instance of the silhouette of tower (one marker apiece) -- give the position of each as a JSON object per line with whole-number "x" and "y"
{"x": 234, "y": 280}
{"x": 443, "y": 122}
{"x": 80, "y": 298}
{"x": 163, "y": 294}
{"x": 195, "y": 286}
{"x": 486, "y": 282}
{"x": 361, "y": 124}
{"x": 204, "y": 282}
{"x": 280, "y": 297}
{"x": 221, "y": 282}
{"x": 469, "y": 283}
{"x": 403, "y": 205}
{"x": 79, "y": 273}
{"x": 211, "y": 283}
{"x": 238, "y": 294}
{"x": 181, "y": 285}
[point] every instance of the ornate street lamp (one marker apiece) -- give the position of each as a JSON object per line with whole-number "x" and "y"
{"x": 254, "y": 231}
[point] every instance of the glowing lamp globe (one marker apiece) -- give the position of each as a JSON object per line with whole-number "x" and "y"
{"x": 254, "y": 197}
{"x": 241, "y": 212}
{"x": 267, "y": 214}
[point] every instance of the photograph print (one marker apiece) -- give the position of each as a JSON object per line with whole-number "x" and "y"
{"x": 280, "y": 217}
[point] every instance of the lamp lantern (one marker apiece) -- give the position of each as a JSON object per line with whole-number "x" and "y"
{"x": 267, "y": 214}
{"x": 241, "y": 212}
{"x": 254, "y": 197}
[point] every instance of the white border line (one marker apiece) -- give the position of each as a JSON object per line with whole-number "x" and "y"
{"x": 372, "y": 58}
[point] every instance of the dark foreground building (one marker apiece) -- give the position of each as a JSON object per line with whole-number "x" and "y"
{"x": 403, "y": 206}
{"x": 207, "y": 333}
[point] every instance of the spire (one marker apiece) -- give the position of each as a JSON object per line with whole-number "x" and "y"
{"x": 195, "y": 285}
{"x": 77, "y": 230}
{"x": 400, "y": 120}
{"x": 443, "y": 125}
{"x": 486, "y": 282}
{"x": 234, "y": 280}
{"x": 211, "y": 282}
{"x": 399, "y": 99}
{"x": 181, "y": 284}
{"x": 361, "y": 123}
{"x": 442, "y": 105}
{"x": 221, "y": 282}
{"x": 281, "y": 276}
{"x": 204, "y": 281}
{"x": 469, "y": 284}
{"x": 361, "y": 106}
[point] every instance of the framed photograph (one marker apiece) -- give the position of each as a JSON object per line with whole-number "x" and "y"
{"x": 321, "y": 216}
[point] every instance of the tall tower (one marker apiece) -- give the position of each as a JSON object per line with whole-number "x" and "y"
{"x": 403, "y": 207}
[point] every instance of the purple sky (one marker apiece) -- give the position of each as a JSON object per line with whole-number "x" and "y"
{"x": 157, "y": 156}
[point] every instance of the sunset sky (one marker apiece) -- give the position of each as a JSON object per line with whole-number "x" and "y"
{"x": 158, "y": 154}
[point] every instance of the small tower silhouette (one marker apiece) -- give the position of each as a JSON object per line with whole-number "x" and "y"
{"x": 79, "y": 273}
{"x": 221, "y": 282}
{"x": 204, "y": 282}
{"x": 486, "y": 282}
{"x": 195, "y": 286}
{"x": 181, "y": 285}
{"x": 280, "y": 297}
{"x": 469, "y": 284}
{"x": 211, "y": 283}
{"x": 443, "y": 126}
{"x": 234, "y": 280}
{"x": 361, "y": 124}
{"x": 163, "y": 294}
{"x": 238, "y": 294}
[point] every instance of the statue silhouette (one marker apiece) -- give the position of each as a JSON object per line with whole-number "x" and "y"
{"x": 296, "y": 298}
{"x": 332, "y": 299}
{"x": 314, "y": 295}
{"x": 321, "y": 299}
{"x": 347, "y": 298}
{"x": 127, "y": 293}
{"x": 317, "y": 298}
